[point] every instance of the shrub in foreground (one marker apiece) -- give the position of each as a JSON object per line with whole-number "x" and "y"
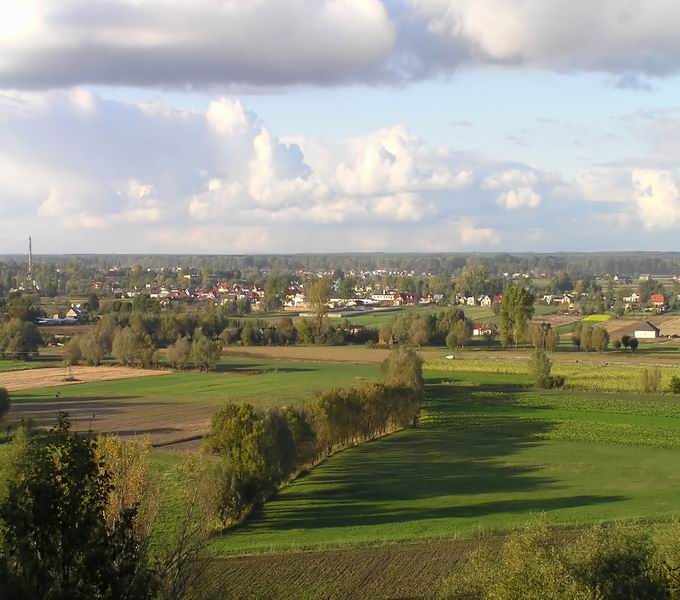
{"x": 55, "y": 540}
{"x": 537, "y": 564}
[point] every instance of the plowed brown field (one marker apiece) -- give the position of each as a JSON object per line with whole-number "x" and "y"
{"x": 392, "y": 571}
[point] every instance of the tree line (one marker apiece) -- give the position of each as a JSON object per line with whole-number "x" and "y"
{"x": 447, "y": 327}
{"x": 258, "y": 450}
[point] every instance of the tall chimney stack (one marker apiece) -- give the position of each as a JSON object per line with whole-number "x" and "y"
{"x": 30, "y": 257}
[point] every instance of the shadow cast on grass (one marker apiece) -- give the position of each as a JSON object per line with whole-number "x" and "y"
{"x": 444, "y": 470}
{"x": 259, "y": 369}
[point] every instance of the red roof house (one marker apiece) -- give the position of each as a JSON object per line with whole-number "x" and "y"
{"x": 657, "y": 299}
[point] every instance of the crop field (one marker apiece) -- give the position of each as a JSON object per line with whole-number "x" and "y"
{"x": 486, "y": 458}
{"x": 594, "y": 319}
{"x": 178, "y": 406}
{"x": 579, "y": 375}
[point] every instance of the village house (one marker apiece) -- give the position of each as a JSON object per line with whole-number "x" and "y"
{"x": 404, "y": 299}
{"x": 657, "y": 300}
{"x": 74, "y": 313}
{"x": 485, "y": 300}
{"x": 646, "y": 331}
{"x": 384, "y": 297}
{"x": 480, "y": 329}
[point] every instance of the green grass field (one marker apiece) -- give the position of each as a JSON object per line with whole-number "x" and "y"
{"x": 265, "y": 381}
{"x": 475, "y": 313}
{"x": 489, "y": 454}
{"x": 19, "y": 365}
{"x": 486, "y": 458}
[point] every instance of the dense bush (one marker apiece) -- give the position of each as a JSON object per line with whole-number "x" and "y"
{"x": 537, "y": 564}
{"x": 19, "y": 339}
{"x": 675, "y": 384}
{"x": 55, "y": 541}
{"x": 403, "y": 368}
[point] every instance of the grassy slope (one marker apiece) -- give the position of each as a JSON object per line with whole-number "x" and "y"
{"x": 483, "y": 461}
{"x": 257, "y": 381}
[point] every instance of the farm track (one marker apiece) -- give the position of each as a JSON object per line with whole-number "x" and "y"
{"x": 382, "y": 572}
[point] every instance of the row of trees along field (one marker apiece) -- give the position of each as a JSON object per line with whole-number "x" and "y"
{"x": 258, "y": 450}
{"x": 136, "y": 339}
{"x": 424, "y": 329}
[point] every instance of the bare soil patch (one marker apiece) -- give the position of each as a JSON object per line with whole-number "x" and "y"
{"x": 165, "y": 423}
{"x": 52, "y": 376}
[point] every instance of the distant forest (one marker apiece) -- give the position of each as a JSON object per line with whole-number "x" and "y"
{"x": 577, "y": 264}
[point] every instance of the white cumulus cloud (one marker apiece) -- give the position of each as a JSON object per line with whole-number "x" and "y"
{"x": 658, "y": 198}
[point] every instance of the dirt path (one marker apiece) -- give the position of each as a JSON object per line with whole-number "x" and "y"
{"x": 54, "y": 376}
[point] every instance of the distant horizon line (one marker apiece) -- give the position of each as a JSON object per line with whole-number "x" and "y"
{"x": 359, "y": 253}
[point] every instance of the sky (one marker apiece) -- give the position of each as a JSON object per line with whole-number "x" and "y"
{"x": 277, "y": 126}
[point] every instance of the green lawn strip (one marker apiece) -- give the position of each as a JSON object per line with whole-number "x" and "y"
{"x": 483, "y": 461}
{"x": 166, "y": 468}
{"x": 21, "y": 365}
{"x": 258, "y": 381}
